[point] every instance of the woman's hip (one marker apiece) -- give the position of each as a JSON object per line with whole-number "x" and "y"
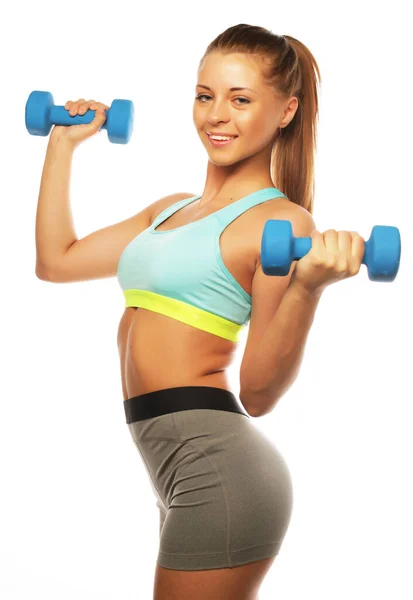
{"x": 201, "y": 445}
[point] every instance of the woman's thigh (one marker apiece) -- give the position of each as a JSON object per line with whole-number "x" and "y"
{"x": 237, "y": 583}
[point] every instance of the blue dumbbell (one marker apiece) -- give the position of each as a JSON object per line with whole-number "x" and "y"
{"x": 41, "y": 114}
{"x": 279, "y": 248}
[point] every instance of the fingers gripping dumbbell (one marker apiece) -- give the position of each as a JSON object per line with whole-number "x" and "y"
{"x": 41, "y": 114}
{"x": 279, "y": 247}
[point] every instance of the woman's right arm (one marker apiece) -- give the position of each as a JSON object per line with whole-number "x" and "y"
{"x": 54, "y": 223}
{"x": 60, "y": 256}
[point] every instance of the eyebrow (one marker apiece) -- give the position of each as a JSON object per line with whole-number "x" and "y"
{"x": 233, "y": 89}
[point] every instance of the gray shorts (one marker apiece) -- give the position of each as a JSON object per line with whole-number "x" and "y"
{"x": 224, "y": 492}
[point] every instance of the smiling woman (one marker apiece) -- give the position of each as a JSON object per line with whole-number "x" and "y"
{"x": 189, "y": 269}
{"x": 215, "y": 289}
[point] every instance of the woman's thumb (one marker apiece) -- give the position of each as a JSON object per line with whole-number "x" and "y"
{"x": 99, "y": 119}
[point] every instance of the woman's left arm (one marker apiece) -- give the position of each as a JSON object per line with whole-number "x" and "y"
{"x": 271, "y": 364}
{"x": 275, "y": 364}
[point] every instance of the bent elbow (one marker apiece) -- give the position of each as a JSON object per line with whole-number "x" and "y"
{"x": 43, "y": 273}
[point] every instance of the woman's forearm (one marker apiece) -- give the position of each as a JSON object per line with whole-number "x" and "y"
{"x": 54, "y": 223}
{"x": 279, "y": 354}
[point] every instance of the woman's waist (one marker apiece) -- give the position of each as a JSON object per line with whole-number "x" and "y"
{"x": 156, "y": 376}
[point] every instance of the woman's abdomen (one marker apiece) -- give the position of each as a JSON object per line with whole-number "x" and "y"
{"x": 157, "y": 352}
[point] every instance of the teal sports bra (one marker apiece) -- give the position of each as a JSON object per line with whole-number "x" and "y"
{"x": 180, "y": 272}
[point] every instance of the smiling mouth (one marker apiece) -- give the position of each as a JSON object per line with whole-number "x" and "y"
{"x": 232, "y": 137}
{"x": 218, "y": 143}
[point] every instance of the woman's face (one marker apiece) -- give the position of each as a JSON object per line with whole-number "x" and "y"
{"x": 253, "y": 115}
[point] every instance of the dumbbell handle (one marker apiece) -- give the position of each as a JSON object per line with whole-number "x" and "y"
{"x": 60, "y": 116}
{"x": 386, "y": 254}
{"x": 302, "y": 246}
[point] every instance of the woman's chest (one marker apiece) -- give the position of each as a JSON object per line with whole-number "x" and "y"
{"x": 238, "y": 244}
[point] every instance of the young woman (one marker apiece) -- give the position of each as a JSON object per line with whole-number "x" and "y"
{"x": 189, "y": 267}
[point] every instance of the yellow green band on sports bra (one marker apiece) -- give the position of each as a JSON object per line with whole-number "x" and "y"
{"x": 186, "y": 313}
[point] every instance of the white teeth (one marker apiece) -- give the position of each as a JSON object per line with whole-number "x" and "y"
{"x": 221, "y": 138}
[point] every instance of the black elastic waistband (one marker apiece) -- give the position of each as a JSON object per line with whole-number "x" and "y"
{"x": 160, "y": 402}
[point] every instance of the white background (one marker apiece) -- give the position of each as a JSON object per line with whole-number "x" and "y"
{"x": 77, "y": 514}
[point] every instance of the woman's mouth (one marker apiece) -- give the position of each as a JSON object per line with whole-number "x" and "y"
{"x": 218, "y": 143}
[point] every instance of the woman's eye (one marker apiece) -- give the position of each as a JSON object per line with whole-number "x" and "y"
{"x": 206, "y": 96}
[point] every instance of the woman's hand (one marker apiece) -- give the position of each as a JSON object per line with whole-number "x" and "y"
{"x": 334, "y": 255}
{"x": 76, "y": 134}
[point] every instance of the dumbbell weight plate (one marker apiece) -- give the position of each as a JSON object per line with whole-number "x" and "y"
{"x": 119, "y": 122}
{"x": 37, "y": 109}
{"x": 279, "y": 247}
{"x": 383, "y": 251}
